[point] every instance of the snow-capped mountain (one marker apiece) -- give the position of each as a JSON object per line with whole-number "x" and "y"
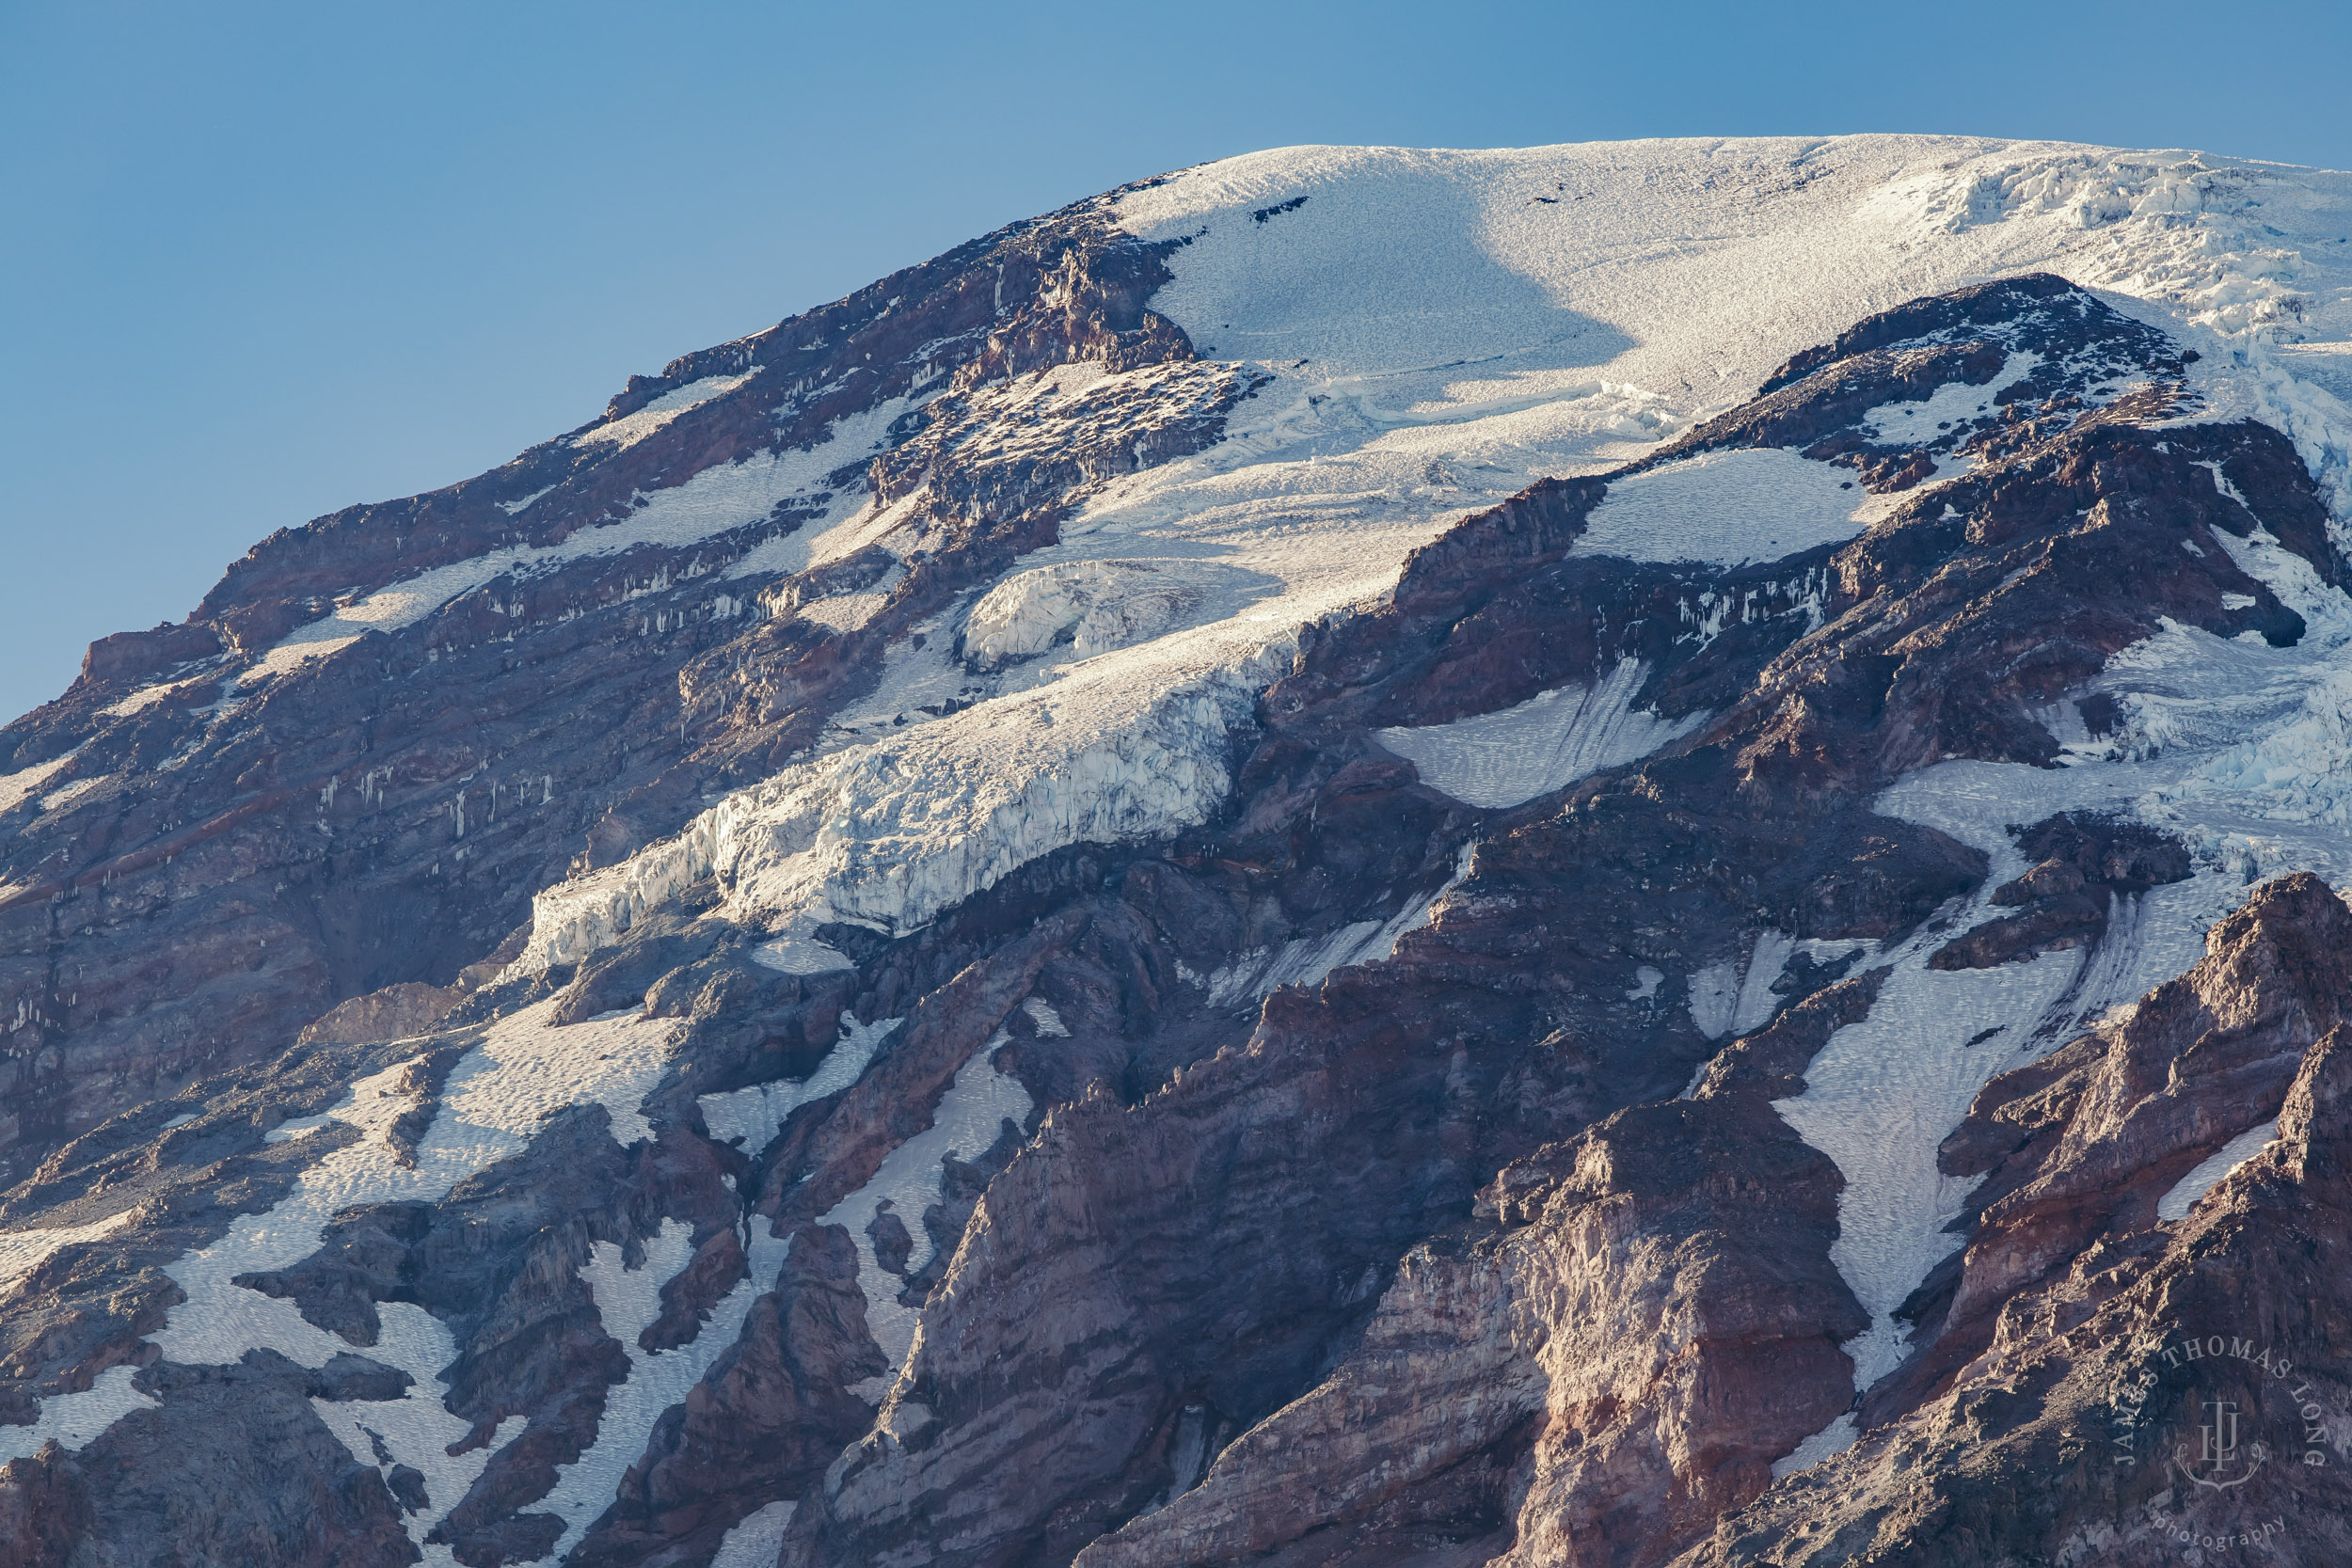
{"x": 1603, "y": 855}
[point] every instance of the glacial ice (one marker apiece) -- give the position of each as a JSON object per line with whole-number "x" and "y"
{"x": 1409, "y": 389}
{"x": 794, "y": 953}
{"x": 1435, "y": 279}
{"x": 892, "y": 833}
{"x": 1096, "y": 605}
{"x": 1443, "y": 330}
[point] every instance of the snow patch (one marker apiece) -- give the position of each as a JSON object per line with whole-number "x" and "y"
{"x": 758, "y": 1539}
{"x": 1715, "y": 997}
{"x": 627, "y": 1302}
{"x": 17, "y": 787}
{"x": 491, "y": 1104}
{"x": 1920, "y": 421}
{"x": 1543, "y": 744}
{"x": 757, "y": 1114}
{"x": 1879, "y": 1097}
{"x": 57, "y": 799}
{"x": 1728, "y": 508}
{"x": 1735, "y": 996}
{"x": 1836, "y": 1438}
{"x": 1310, "y": 960}
{"x": 721, "y": 498}
{"x": 22, "y": 1251}
{"x": 631, "y": 428}
{"x": 2184, "y": 1194}
{"x": 297, "y": 1126}
{"x": 73, "y": 1419}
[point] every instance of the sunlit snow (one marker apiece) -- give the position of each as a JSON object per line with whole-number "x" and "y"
{"x": 631, "y": 428}
{"x": 756, "y": 1540}
{"x": 22, "y": 1251}
{"x": 1441, "y": 329}
{"x": 492, "y": 1102}
{"x": 1726, "y": 507}
{"x": 969, "y": 1119}
{"x": 1543, "y": 744}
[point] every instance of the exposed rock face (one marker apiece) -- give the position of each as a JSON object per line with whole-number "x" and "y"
{"x": 1344, "y": 1112}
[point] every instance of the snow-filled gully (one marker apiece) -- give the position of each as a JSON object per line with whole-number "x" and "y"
{"x": 2236, "y": 748}
{"x": 969, "y": 1119}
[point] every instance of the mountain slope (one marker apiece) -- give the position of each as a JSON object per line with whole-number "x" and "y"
{"x": 1359, "y": 857}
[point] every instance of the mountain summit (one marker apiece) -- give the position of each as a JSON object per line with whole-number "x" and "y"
{"x": 1601, "y": 855}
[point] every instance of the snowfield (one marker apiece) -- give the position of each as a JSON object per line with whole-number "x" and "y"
{"x": 1727, "y": 507}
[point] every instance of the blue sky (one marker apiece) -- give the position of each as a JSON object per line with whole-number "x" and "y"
{"x": 264, "y": 261}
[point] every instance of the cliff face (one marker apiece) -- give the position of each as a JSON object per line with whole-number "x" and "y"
{"x": 968, "y": 934}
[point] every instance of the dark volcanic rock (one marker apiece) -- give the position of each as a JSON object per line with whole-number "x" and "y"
{"x": 234, "y": 1468}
